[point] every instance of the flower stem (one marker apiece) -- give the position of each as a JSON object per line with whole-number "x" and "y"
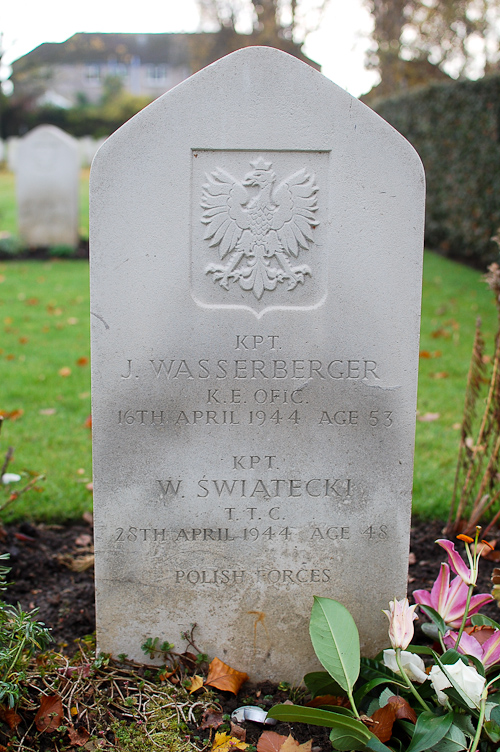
{"x": 464, "y": 618}
{"x": 408, "y": 682}
{"x": 480, "y": 722}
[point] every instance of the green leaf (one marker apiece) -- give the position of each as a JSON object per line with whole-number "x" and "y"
{"x": 453, "y": 741}
{"x": 429, "y": 730}
{"x": 452, "y": 656}
{"x": 377, "y": 745}
{"x": 371, "y": 669}
{"x": 435, "y": 618}
{"x": 493, "y": 731}
{"x": 321, "y": 683}
{"x": 344, "y": 741}
{"x": 366, "y": 688}
{"x": 419, "y": 649}
{"x": 495, "y": 714}
{"x": 431, "y": 631}
{"x": 315, "y": 717}
{"x": 464, "y": 723}
{"x": 480, "y": 620}
{"x": 335, "y": 639}
{"x": 337, "y": 709}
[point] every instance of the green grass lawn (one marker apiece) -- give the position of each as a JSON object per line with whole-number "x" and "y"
{"x": 8, "y": 212}
{"x": 44, "y": 371}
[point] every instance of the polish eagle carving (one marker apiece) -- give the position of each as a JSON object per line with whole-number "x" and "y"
{"x": 258, "y": 227}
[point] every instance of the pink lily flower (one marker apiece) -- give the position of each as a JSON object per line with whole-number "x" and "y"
{"x": 401, "y": 617}
{"x": 450, "y": 600}
{"x": 457, "y": 564}
{"x": 488, "y": 652}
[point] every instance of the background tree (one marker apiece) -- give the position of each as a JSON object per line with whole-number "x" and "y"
{"x": 458, "y": 37}
{"x": 240, "y": 23}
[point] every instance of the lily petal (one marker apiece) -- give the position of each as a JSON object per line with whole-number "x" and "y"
{"x": 457, "y": 564}
{"x": 491, "y": 650}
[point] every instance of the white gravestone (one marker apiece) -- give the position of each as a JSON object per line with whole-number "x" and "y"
{"x": 256, "y": 253}
{"x": 47, "y": 175}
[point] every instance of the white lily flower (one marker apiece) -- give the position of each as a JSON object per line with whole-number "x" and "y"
{"x": 10, "y": 478}
{"x": 412, "y": 664}
{"x": 467, "y": 678}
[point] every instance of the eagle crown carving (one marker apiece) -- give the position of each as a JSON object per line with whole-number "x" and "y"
{"x": 258, "y": 227}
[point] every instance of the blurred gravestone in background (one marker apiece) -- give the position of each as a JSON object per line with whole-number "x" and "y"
{"x": 47, "y": 175}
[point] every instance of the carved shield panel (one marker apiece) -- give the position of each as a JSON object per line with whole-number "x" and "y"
{"x": 258, "y": 229}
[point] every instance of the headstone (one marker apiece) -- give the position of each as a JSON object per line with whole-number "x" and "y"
{"x": 12, "y": 144}
{"x": 256, "y": 253}
{"x": 47, "y": 175}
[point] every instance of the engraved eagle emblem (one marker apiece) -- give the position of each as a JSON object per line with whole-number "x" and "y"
{"x": 258, "y": 227}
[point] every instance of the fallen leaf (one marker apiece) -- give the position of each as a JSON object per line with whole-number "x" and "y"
{"x": 69, "y": 671}
{"x": 72, "y": 321}
{"x": 292, "y": 745}
{"x": 64, "y": 371}
{"x": 196, "y": 683}
{"x": 404, "y": 710}
{"x": 76, "y": 563}
{"x": 428, "y": 417}
{"x": 78, "y": 736}
{"x": 270, "y": 741}
{"x": 89, "y": 486}
{"x": 23, "y": 340}
{"x": 222, "y": 676}
{"x": 440, "y": 375}
{"x": 412, "y": 559}
{"x": 223, "y": 742}
{"x": 10, "y": 717}
{"x": 32, "y": 301}
{"x": 424, "y": 354}
{"x": 168, "y": 673}
{"x": 238, "y": 732}
{"x": 82, "y": 361}
{"x": 48, "y": 411}
{"x": 88, "y": 518}
{"x": 12, "y": 415}
{"x": 326, "y": 700}
{"x": 88, "y": 422}
{"x": 384, "y": 721}
{"x": 83, "y": 540}
{"x": 212, "y": 719}
{"x": 457, "y": 426}
{"x": 440, "y": 333}
{"x": 50, "y": 713}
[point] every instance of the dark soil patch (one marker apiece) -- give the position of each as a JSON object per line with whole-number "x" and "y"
{"x": 44, "y": 559}
{"x": 48, "y": 254}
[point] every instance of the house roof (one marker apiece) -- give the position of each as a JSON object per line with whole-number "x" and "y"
{"x": 170, "y": 49}
{"x": 99, "y": 48}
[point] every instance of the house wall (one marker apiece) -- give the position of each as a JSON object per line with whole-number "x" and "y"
{"x": 138, "y": 78}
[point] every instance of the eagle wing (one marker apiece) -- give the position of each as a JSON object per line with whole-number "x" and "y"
{"x": 294, "y": 218}
{"x": 223, "y": 201}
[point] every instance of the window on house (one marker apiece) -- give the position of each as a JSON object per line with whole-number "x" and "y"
{"x": 92, "y": 73}
{"x": 118, "y": 69}
{"x": 157, "y": 74}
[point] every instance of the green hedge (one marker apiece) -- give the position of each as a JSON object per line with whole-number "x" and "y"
{"x": 455, "y": 127}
